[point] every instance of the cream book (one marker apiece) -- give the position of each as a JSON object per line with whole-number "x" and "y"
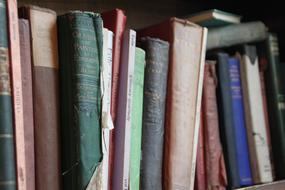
{"x": 214, "y": 17}
{"x": 254, "y": 114}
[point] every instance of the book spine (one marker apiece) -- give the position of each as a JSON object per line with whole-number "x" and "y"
{"x": 242, "y": 153}
{"x": 114, "y": 20}
{"x": 263, "y": 62}
{"x": 26, "y": 69}
{"x": 255, "y": 121}
{"x": 17, "y": 92}
{"x": 106, "y": 87}
{"x": 276, "y": 103}
{"x": 201, "y": 178}
{"x": 215, "y": 165}
{"x": 155, "y": 85}
{"x": 7, "y": 152}
{"x": 80, "y": 36}
{"x": 137, "y": 111}
{"x": 45, "y": 92}
{"x": 230, "y": 35}
{"x": 123, "y": 122}
{"x": 226, "y": 120}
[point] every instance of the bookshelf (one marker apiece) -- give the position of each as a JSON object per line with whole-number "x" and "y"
{"x": 147, "y": 12}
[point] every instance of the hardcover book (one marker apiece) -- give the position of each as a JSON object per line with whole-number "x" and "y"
{"x": 214, "y": 18}
{"x": 184, "y": 94}
{"x": 239, "y": 127}
{"x": 27, "y": 83}
{"x": 215, "y": 164}
{"x": 115, "y": 21}
{"x": 236, "y": 34}
{"x": 254, "y": 114}
{"x": 43, "y": 30}
{"x": 7, "y": 151}
{"x": 155, "y": 88}
{"x": 275, "y": 93}
{"x": 125, "y": 114}
{"x": 80, "y": 49}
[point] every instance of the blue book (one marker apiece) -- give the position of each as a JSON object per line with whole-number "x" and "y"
{"x": 242, "y": 153}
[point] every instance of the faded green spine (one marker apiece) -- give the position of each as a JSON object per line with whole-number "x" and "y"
{"x": 7, "y": 155}
{"x": 136, "y": 127}
{"x": 80, "y": 45}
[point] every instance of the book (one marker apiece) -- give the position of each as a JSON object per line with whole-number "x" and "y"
{"x": 136, "y": 123}
{"x": 226, "y": 120}
{"x": 114, "y": 20}
{"x": 155, "y": 87}
{"x": 254, "y": 114}
{"x": 185, "y": 79}
{"x": 27, "y": 83}
{"x": 80, "y": 50}
{"x": 275, "y": 93}
{"x": 106, "y": 88}
{"x": 200, "y": 176}
{"x": 124, "y": 120}
{"x": 17, "y": 94}
{"x": 215, "y": 164}
{"x": 7, "y": 151}
{"x": 263, "y": 64}
{"x": 214, "y": 18}
{"x": 43, "y": 30}
{"x": 236, "y": 34}
{"x": 239, "y": 127}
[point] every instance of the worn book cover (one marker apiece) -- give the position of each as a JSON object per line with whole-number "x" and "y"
{"x": 43, "y": 30}
{"x": 80, "y": 50}
{"x": 154, "y": 103}
{"x": 184, "y": 92}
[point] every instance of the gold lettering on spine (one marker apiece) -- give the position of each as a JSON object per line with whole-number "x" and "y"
{"x": 5, "y": 86}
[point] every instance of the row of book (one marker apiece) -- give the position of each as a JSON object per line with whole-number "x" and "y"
{"x": 88, "y": 104}
{"x": 242, "y": 129}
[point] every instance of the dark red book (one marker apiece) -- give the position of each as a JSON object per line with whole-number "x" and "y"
{"x": 114, "y": 20}
{"x": 200, "y": 178}
{"x": 215, "y": 164}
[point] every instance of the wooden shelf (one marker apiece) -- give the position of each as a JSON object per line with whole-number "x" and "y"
{"x": 277, "y": 185}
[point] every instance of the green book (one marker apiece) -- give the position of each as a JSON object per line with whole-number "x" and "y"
{"x": 214, "y": 18}
{"x": 7, "y": 152}
{"x": 80, "y": 52}
{"x": 136, "y": 121}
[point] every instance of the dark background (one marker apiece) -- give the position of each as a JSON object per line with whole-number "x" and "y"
{"x": 141, "y": 13}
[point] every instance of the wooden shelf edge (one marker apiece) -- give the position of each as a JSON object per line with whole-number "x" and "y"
{"x": 277, "y": 185}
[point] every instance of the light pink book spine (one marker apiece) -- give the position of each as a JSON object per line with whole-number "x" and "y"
{"x": 123, "y": 122}
{"x": 14, "y": 46}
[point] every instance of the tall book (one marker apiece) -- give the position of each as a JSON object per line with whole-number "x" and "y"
{"x": 201, "y": 178}
{"x": 239, "y": 127}
{"x": 17, "y": 92}
{"x": 27, "y": 83}
{"x": 254, "y": 114}
{"x": 154, "y": 103}
{"x": 80, "y": 49}
{"x": 114, "y": 20}
{"x": 184, "y": 94}
{"x": 106, "y": 87}
{"x": 215, "y": 164}
{"x": 125, "y": 114}
{"x": 226, "y": 120}
{"x": 137, "y": 114}
{"x": 7, "y": 152}
{"x": 214, "y": 18}
{"x": 43, "y": 30}
{"x": 275, "y": 92}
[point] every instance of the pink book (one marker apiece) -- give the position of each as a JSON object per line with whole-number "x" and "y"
{"x": 123, "y": 121}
